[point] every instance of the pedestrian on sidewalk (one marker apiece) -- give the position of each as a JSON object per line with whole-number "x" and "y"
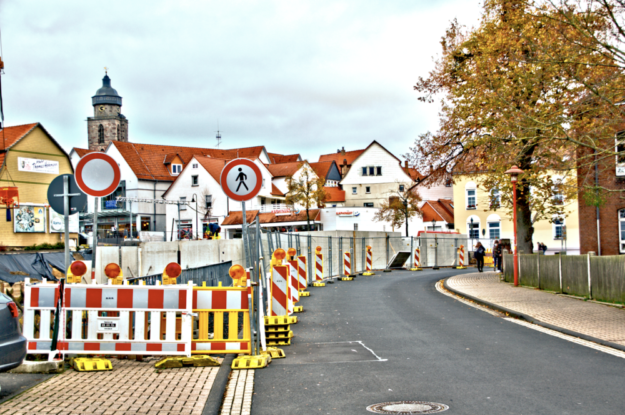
{"x": 479, "y": 256}
{"x": 498, "y": 255}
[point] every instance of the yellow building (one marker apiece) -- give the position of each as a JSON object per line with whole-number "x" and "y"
{"x": 29, "y": 160}
{"x": 473, "y": 216}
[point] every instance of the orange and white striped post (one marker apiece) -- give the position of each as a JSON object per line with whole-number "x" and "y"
{"x": 417, "y": 260}
{"x": 368, "y": 261}
{"x": 461, "y": 257}
{"x": 318, "y": 268}
{"x": 347, "y": 267}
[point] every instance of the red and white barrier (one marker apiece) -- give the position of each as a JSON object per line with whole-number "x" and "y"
{"x": 293, "y": 281}
{"x": 279, "y": 303}
{"x": 369, "y": 261}
{"x": 318, "y": 267}
{"x": 302, "y": 272}
{"x": 347, "y": 264}
{"x": 461, "y": 257}
{"x": 417, "y": 258}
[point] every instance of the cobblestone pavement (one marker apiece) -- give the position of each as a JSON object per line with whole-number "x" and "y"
{"x": 238, "y": 397}
{"x": 596, "y": 320}
{"x": 130, "y": 388}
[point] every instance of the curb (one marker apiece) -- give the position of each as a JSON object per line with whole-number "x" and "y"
{"x": 532, "y": 320}
{"x": 216, "y": 394}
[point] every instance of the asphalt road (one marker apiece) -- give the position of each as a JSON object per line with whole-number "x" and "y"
{"x": 393, "y": 337}
{"x": 12, "y": 384}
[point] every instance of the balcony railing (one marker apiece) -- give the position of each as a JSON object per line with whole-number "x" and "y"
{"x": 278, "y": 207}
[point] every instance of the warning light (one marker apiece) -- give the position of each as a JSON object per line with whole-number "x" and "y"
{"x": 279, "y": 254}
{"x": 236, "y": 272}
{"x": 292, "y": 252}
{"x": 368, "y": 248}
{"x": 78, "y": 268}
{"x": 112, "y": 270}
{"x": 173, "y": 270}
{"x": 318, "y": 249}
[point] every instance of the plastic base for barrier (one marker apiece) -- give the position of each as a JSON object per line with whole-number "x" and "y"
{"x": 280, "y": 320}
{"x": 387, "y": 270}
{"x": 298, "y": 309}
{"x": 366, "y": 274}
{"x": 274, "y": 353}
{"x": 347, "y": 279}
{"x": 460, "y": 268}
{"x": 172, "y": 362}
{"x": 278, "y": 329}
{"x": 304, "y": 294}
{"x": 92, "y": 364}
{"x": 435, "y": 267}
{"x": 318, "y": 284}
{"x": 280, "y": 336}
{"x": 251, "y": 362}
{"x": 278, "y": 342}
{"x": 416, "y": 269}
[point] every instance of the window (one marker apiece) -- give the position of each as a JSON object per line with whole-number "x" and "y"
{"x": 176, "y": 169}
{"x": 370, "y": 205}
{"x": 355, "y": 226}
{"x": 354, "y": 190}
{"x": 183, "y": 206}
{"x": 195, "y": 165}
{"x": 118, "y": 134}
{"x": 332, "y": 183}
{"x": 263, "y": 200}
{"x": 495, "y": 199}
{"x": 194, "y": 181}
{"x": 263, "y": 183}
{"x": 621, "y": 220}
{"x": 494, "y": 230}
{"x": 364, "y": 171}
{"x": 558, "y": 197}
{"x": 378, "y": 171}
{"x": 559, "y": 229}
{"x": 474, "y": 228}
{"x": 101, "y": 134}
{"x": 471, "y": 199}
{"x": 401, "y": 187}
{"x": 448, "y": 183}
{"x": 367, "y": 189}
{"x": 371, "y": 171}
{"x": 209, "y": 201}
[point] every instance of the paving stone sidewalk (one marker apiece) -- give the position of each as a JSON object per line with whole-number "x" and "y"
{"x": 130, "y": 388}
{"x": 591, "y": 319}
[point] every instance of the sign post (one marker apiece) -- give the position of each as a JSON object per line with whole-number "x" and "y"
{"x": 98, "y": 175}
{"x": 241, "y": 180}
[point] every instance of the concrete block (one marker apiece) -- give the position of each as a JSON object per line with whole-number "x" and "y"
{"x": 231, "y": 250}
{"x": 28, "y": 366}
{"x": 156, "y": 255}
{"x": 130, "y": 261}
{"x": 195, "y": 254}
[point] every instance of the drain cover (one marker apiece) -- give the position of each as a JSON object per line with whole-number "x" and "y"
{"x": 407, "y": 407}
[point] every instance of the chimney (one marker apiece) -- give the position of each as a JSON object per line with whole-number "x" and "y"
{"x": 343, "y": 152}
{"x": 338, "y": 151}
{"x": 406, "y": 163}
{"x": 344, "y": 168}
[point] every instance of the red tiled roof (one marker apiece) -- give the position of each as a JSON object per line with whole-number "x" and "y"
{"x": 413, "y": 173}
{"x": 147, "y": 160}
{"x": 279, "y": 158}
{"x": 83, "y": 151}
{"x": 334, "y": 194}
{"x": 275, "y": 191}
{"x": 439, "y": 210}
{"x": 338, "y": 158}
{"x": 213, "y": 166}
{"x": 322, "y": 168}
{"x": 284, "y": 169}
{"x": 11, "y": 135}
{"x": 236, "y": 218}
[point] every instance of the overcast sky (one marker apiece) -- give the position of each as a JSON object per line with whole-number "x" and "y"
{"x": 295, "y": 76}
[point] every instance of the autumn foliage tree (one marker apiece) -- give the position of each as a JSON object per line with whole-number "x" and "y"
{"x": 399, "y": 208}
{"x": 306, "y": 190}
{"x": 517, "y": 90}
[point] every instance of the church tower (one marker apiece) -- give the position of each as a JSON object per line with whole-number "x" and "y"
{"x": 107, "y": 124}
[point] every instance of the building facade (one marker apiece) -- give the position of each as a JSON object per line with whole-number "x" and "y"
{"x": 108, "y": 124}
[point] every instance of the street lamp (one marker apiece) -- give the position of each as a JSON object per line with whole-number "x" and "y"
{"x": 433, "y": 225}
{"x": 405, "y": 202}
{"x": 514, "y": 173}
{"x": 197, "y": 225}
{"x": 471, "y": 233}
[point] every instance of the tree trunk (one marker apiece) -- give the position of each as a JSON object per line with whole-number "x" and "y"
{"x": 308, "y": 219}
{"x": 525, "y": 228}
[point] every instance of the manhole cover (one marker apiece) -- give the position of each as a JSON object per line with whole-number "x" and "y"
{"x": 407, "y": 407}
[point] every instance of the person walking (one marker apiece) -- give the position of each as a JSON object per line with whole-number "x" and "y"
{"x": 498, "y": 254}
{"x": 495, "y": 260}
{"x": 479, "y": 256}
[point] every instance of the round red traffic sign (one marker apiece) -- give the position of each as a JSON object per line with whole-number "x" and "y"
{"x": 97, "y": 174}
{"x": 241, "y": 180}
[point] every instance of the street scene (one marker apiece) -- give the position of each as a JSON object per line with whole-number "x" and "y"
{"x": 319, "y": 207}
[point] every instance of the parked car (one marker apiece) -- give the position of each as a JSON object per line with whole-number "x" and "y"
{"x": 12, "y": 343}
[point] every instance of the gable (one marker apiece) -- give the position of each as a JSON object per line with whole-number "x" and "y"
{"x": 376, "y": 156}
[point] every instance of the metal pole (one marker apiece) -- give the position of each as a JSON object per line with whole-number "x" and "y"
{"x": 130, "y": 224}
{"x": 310, "y": 262}
{"x": 516, "y": 263}
{"x": 178, "y": 227}
{"x": 244, "y": 234}
{"x": 412, "y": 252}
{"x": 96, "y": 202}
{"x": 66, "y": 220}
{"x": 330, "y": 260}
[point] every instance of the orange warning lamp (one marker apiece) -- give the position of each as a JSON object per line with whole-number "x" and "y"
{"x": 114, "y": 273}
{"x": 238, "y": 275}
{"x": 291, "y": 252}
{"x": 368, "y": 248}
{"x": 279, "y": 254}
{"x": 318, "y": 249}
{"x": 171, "y": 272}
{"x": 76, "y": 270}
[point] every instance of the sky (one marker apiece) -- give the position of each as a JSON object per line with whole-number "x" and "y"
{"x": 296, "y": 76}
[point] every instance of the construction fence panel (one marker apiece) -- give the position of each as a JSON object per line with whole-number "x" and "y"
{"x": 529, "y": 266}
{"x": 575, "y": 275}
{"x": 549, "y": 267}
{"x": 608, "y": 278}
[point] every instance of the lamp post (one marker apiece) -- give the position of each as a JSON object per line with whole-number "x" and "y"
{"x": 471, "y": 233}
{"x": 405, "y": 202}
{"x": 435, "y": 245}
{"x": 514, "y": 173}
{"x": 197, "y": 225}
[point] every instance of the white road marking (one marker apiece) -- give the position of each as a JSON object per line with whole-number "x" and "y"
{"x": 581, "y": 342}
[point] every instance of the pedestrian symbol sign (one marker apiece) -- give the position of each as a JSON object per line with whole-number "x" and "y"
{"x": 241, "y": 180}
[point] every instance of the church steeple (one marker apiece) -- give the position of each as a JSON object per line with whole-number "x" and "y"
{"x": 108, "y": 123}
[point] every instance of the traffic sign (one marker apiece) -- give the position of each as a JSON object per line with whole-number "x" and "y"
{"x": 77, "y": 199}
{"x": 241, "y": 180}
{"x": 97, "y": 174}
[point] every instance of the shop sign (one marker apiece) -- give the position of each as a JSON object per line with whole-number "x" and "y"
{"x": 347, "y": 213}
{"x": 57, "y": 222}
{"x": 37, "y": 165}
{"x": 282, "y": 212}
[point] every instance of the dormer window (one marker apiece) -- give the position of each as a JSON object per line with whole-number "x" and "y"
{"x": 176, "y": 169}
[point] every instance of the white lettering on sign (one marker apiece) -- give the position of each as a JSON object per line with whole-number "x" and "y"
{"x": 37, "y": 165}
{"x": 108, "y": 325}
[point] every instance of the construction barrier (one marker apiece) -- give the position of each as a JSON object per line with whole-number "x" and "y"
{"x": 294, "y": 288}
{"x": 318, "y": 266}
{"x": 461, "y": 257}
{"x": 417, "y": 258}
{"x": 347, "y": 266}
{"x": 369, "y": 260}
{"x": 219, "y": 303}
{"x": 279, "y": 304}
{"x": 302, "y": 272}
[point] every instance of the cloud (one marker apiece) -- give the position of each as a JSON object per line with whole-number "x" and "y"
{"x": 305, "y": 76}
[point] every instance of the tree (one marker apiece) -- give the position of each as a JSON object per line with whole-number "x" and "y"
{"x": 515, "y": 92}
{"x": 306, "y": 190}
{"x": 399, "y": 208}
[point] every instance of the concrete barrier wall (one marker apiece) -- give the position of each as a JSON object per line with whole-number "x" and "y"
{"x": 130, "y": 261}
{"x": 195, "y": 254}
{"x": 156, "y": 255}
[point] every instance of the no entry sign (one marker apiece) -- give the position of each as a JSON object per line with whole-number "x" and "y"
{"x": 97, "y": 174}
{"x": 241, "y": 180}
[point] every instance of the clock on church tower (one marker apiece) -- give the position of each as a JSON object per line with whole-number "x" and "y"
{"x": 108, "y": 123}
